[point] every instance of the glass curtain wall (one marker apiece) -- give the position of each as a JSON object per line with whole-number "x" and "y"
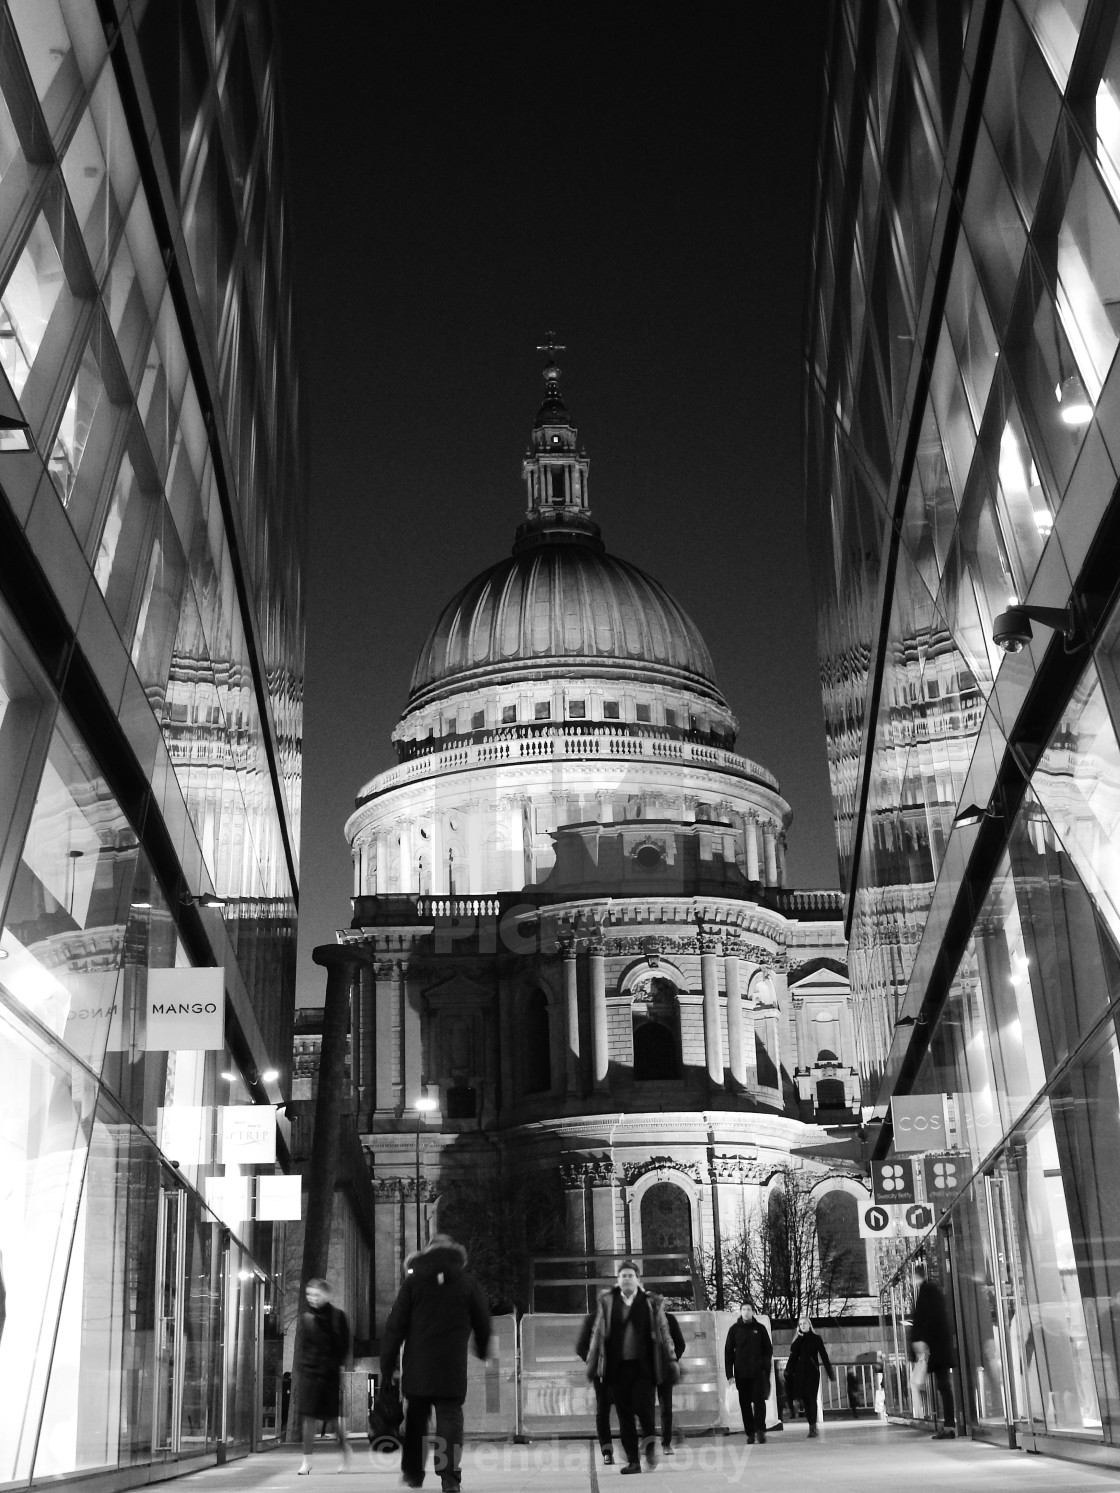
{"x": 151, "y": 655}
{"x": 963, "y": 424}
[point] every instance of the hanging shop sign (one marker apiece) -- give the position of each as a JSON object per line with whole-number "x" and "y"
{"x": 893, "y": 1181}
{"x": 279, "y": 1198}
{"x": 895, "y": 1221}
{"x": 920, "y": 1122}
{"x": 186, "y": 1134}
{"x": 185, "y": 1010}
{"x": 248, "y": 1134}
{"x": 228, "y": 1199}
{"x": 944, "y": 1176}
{"x": 876, "y": 1222}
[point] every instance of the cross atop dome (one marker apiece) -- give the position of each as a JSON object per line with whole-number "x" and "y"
{"x": 551, "y": 371}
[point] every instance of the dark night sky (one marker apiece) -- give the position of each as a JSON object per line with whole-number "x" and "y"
{"x": 463, "y": 178}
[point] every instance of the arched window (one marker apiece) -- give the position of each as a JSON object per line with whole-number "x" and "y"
{"x": 657, "y": 1029}
{"x": 830, "y": 1094}
{"x": 666, "y": 1220}
{"x": 842, "y": 1254}
{"x": 538, "y": 1044}
{"x": 655, "y": 1051}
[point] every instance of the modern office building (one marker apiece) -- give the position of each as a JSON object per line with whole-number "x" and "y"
{"x": 963, "y": 423}
{"x": 151, "y": 654}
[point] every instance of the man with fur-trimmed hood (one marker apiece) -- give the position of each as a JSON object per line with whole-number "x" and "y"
{"x": 632, "y": 1352}
{"x": 438, "y": 1307}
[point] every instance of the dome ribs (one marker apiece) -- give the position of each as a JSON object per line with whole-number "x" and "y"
{"x": 554, "y": 605}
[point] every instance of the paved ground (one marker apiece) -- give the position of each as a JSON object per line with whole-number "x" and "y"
{"x": 856, "y": 1458}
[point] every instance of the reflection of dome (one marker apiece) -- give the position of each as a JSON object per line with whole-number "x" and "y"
{"x": 556, "y": 605}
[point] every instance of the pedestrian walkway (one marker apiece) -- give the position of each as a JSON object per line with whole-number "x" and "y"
{"x": 858, "y": 1458}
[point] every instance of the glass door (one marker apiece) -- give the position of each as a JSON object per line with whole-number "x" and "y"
{"x": 1008, "y": 1300}
{"x": 169, "y": 1320}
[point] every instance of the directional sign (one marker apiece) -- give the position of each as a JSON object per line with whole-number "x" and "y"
{"x": 915, "y": 1220}
{"x": 893, "y": 1181}
{"x": 944, "y": 1175}
{"x": 876, "y": 1222}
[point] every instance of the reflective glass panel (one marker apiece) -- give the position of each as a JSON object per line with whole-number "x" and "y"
{"x": 27, "y": 302}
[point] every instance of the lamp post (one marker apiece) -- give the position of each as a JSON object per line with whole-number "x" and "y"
{"x": 423, "y": 1105}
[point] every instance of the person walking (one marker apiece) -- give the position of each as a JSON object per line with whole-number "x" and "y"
{"x": 324, "y": 1348}
{"x": 852, "y": 1382}
{"x": 931, "y": 1339}
{"x": 665, "y": 1388}
{"x": 748, "y": 1355}
{"x": 807, "y": 1356}
{"x": 438, "y": 1307}
{"x": 602, "y": 1394}
{"x": 632, "y": 1352}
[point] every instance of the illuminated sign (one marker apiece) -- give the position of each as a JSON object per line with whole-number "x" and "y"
{"x": 185, "y": 1010}
{"x": 893, "y": 1181}
{"x": 248, "y": 1134}
{"x": 920, "y": 1122}
{"x": 278, "y": 1197}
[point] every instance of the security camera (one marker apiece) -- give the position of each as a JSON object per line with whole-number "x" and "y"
{"x": 1012, "y": 630}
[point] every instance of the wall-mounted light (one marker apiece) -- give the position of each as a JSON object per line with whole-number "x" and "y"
{"x": 1075, "y": 406}
{"x": 204, "y": 899}
{"x": 228, "y": 1076}
{"x": 270, "y": 1075}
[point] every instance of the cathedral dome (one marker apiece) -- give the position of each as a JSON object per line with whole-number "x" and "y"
{"x": 561, "y": 603}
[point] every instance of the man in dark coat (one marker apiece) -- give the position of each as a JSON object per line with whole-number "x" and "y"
{"x": 632, "y": 1352}
{"x": 602, "y": 1394}
{"x": 437, "y": 1309}
{"x": 324, "y": 1348}
{"x": 931, "y": 1338}
{"x": 748, "y": 1355}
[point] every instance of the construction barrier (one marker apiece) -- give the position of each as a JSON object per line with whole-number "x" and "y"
{"x": 557, "y": 1399}
{"x": 491, "y": 1404}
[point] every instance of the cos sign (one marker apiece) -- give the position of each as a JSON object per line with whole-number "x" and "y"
{"x": 920, "y": 1123}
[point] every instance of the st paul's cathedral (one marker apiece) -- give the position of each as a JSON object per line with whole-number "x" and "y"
{"x": 577, "y": 937}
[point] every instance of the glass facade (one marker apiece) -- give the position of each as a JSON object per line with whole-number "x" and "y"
{"x": 963, "y": 434}
{"x": 151, "y": 659}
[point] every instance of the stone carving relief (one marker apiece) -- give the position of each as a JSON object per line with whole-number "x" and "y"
{"x": 633, "y": 1170}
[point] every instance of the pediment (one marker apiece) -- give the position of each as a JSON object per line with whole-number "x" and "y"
{"x": 821, "y": 981}
{"x": 459, "y": 991}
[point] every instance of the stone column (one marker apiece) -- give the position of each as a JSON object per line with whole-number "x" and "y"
{"x": 601, "y": 1174}
{"x": 781, "y": 860}
{"x": 386, "y": 1011}
{"x": 752, "y": 848}
{"x": 709, "y": 984}
{"x": 737, "y": 1058}
{"x": 356, "y": 862}
{"x": 381, "y": 868}
{"x": 599, "y": 1041}
{"x": 341, "y": 962}
{"x": 411, "y": 1038}
{"x": 571, "y": 1018}
{"x": 769, "y": 842}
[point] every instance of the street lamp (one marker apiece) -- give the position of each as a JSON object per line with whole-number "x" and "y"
{"x": 422, "y": 1105}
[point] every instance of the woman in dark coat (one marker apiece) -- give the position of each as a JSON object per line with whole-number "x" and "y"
{"x": 324, "y": 1348}
{"x": 807, "y": 1355}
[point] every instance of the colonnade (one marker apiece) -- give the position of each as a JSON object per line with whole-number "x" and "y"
{"x": 421, "y": 864}
{"x": 743, "y": 1021}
